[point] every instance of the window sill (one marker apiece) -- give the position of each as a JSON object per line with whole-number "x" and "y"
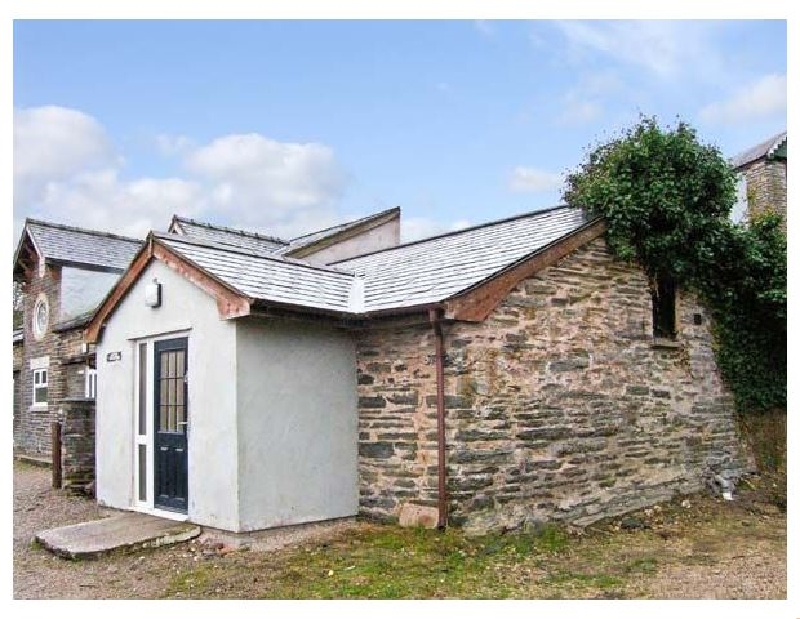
{"x": 663, "y": 342}
{"x": 39, "y": 407}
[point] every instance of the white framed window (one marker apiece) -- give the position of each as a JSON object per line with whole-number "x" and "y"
{"x": 91, "y": 382}
{"x": 739, "y": 210}
{"x": 40, "y": 387}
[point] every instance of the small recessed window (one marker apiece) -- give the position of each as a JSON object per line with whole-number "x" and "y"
{"x": 739, "y": 211}
{"x": 40, "y": 387}
{"x": 664, "y": 308}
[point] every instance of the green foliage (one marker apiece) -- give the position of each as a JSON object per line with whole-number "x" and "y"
{"x": 666, "y": 199}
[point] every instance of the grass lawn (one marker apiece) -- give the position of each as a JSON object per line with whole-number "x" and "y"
{"x": 603, "y": 561}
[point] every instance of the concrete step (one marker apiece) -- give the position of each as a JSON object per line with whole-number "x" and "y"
{"x": 89, "y": 540}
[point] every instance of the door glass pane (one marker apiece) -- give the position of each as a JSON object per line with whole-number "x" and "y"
{"x": 142, "y": 389}
{"x": 172, "y": 391}
{"x": 171, "y": 404}
{"x": 142, "y": 472}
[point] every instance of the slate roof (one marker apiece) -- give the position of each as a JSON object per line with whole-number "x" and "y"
{"x": 437, "y": 268}
{"x": 71, "y": 245}
{"x": 74, "y": 322}
{"x": 305, "y": 240}
{"x": 262, "y": 244}
{"x": 267, "y": 278}
{"x": 409, "y": 275}
{"x": 764, "y": 149}
{"x": 251, "y": 241}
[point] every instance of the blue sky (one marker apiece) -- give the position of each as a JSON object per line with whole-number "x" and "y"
{"x": 291, "y": 126}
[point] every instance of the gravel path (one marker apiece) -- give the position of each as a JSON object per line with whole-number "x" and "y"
{"x": 751, "y": 576}
{"x": 143, "y": 575}
{"x": 745, "y": 561}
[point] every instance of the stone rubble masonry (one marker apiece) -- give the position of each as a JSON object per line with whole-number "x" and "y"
{"x": 397, "y": 422}
{"x": 766, "y": 187}
{"x": 559, "y": 407}
{"x": 32, "y": 424}
{"x": 17, "y": 373}
{"x": 77, "y": 443}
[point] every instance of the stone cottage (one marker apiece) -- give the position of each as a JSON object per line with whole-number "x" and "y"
{"x": 66, "y": 271}
{"x": 506, "y": 373}
{"x": 762, "y": 179}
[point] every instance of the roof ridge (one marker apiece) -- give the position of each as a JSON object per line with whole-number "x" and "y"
{"x": 347, "y": 223}
{"x": 456, "y": 232}
{"x": 235, "y": 249}
{"x": 768, "y": 146}
{"x": 777, "y": 140}
{"x": 206, "y": 224}
{"x": 111, "y": 235}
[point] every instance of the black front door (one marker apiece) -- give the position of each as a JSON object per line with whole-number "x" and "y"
{"x": 171, "y": 413}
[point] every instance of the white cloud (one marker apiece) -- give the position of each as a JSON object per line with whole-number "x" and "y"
{"x": 664, "y": 48}
{"x": 524, "y": 179}
{"x": 52, "y": 143}
{"x": 170, "y": 145}
{"x": 258, "y": 181}
{"x": 415, "y": 228}
{"x": 761, "y": 99}
{"x": 66, "y": 170}
{"x": 102, "y": 201}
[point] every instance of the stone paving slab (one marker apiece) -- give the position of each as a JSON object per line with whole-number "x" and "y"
{"x": 89, "y": 540}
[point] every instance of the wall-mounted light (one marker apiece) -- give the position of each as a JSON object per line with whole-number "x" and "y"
{"x": 152, "y": 294}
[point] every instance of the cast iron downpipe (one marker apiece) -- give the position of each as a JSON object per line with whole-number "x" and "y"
{"x": 435, "y": 316}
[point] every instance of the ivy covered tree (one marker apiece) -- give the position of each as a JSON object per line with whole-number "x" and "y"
{"x": 666, "y": 199}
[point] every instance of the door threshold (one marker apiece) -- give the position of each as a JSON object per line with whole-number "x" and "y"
{"x": 164, "y": 513}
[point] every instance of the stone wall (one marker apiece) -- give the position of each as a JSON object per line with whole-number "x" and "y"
{"x": 397, "y": 421}
{"x": 32, "y": 424}
{"x": 17, "y": 374}
{"x": 559, "y": 406}
{"x": 766, "y": 186}
{"x": 77, "y": 443}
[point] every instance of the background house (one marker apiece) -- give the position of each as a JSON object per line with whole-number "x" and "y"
{"x": 503, "y": 374}
{"x": 761, "y": 179}
{"x": 64, "y": 272}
